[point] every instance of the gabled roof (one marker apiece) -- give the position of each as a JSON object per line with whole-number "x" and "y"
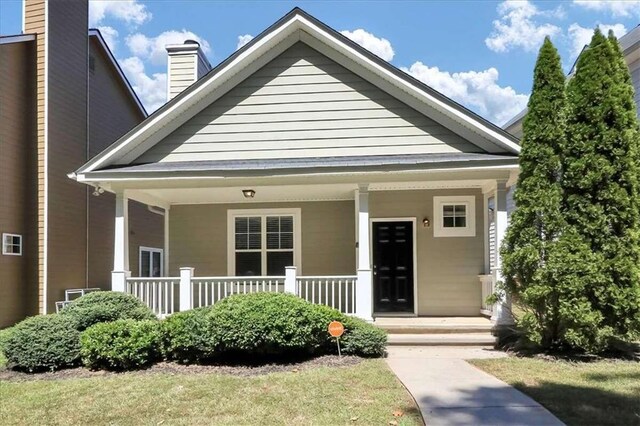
{"x": 94, "y": 32}
{"x": 296, "y": 26}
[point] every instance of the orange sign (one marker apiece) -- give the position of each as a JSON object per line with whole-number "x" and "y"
{"x": 336, "y": 328}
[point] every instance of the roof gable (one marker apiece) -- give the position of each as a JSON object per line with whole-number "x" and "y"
{"x": 303, "y": 104}
{"x": 296, "y": 27}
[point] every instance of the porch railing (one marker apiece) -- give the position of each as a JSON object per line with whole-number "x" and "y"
{"x": 207, "y": 291}
{"x": 159, "y": 294}
{"x": 338, "y": 292}
{"x": 174, "y": 294}
{"x": 488, "y": 288}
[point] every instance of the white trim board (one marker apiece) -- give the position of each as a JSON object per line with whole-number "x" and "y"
{"x": 297, "y": 235}
{"x": 298, "y": 26}
{"x": 414, "y": 221}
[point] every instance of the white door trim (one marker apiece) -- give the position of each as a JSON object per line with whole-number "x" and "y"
{"x": 414, "y": 221}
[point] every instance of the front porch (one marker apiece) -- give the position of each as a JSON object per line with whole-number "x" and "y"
{"x": 372, "y": 250}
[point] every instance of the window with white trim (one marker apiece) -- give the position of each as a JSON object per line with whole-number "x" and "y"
{"x": 263, "y": 243}
{"x": 454, "y": 216}
{"x": 151, "y": 262}
{"x": 12, "y": 244}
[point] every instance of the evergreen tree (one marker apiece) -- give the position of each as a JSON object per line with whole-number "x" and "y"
{"x": 600, "y": 196}
{"x": 532, "y": 237}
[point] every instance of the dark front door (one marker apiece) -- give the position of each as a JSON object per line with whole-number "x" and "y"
{"x": 393, "y": 266}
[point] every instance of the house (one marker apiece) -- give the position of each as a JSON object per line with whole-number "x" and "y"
{"x": 630, "y": 45}
{"x": 63, "y": 99}
{"x": 304, "y": 163}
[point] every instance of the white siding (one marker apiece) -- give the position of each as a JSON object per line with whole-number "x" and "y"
{"x": 181, "y": 73}
{"x": 302, "y": 104}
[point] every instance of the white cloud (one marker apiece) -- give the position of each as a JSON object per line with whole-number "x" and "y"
{"x": 477, "y": 90}
{"x": 153, "y": 48}
{"x": 243, "y": 39}
{"x": 378, "y": 46}
{"x": 110, "y": 36}
{"x": 129, "y": 11}
{"x": 581, "y": 36}
{"x": 152, "y": 90}
{"x": 517, "y": 27}
{"x": 618, "y": 8}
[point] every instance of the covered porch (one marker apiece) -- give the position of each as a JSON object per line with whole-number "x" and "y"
{"x": 419, "y": 243}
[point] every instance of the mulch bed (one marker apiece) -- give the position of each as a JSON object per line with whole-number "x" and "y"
{"x": 172, "y": 368}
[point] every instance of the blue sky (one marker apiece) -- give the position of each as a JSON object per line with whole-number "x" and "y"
{"x": 480, "y": 53}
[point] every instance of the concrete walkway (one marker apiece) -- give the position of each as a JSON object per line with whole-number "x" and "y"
{"x": 450, "y": 391}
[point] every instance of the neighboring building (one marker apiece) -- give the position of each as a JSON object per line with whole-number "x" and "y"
{"x": 63, "y": 99}
{"x": 304, "y": 163}
{"x": 630, "y": 45}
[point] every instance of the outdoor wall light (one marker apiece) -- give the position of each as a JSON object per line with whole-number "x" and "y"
{"x": 98, "y": 190}
{"x": 426, "y": 222}
{"x": 248, "y": 193}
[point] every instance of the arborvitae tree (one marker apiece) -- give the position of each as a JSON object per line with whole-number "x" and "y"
{"x": 537, "y": 222}
{"x": 600, "y": 196}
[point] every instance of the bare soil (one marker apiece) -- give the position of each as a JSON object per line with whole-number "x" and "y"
{"x": 172, "y": 368}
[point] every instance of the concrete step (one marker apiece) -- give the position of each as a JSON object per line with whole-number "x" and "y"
{"x": 442, "y": 339}
{"x": 436, "y": 328}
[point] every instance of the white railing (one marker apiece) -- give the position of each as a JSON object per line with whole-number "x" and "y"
{"x": 160, "y": 294}
{"x": 338, "y": 292}
{"x": 488, "y": 288}
{"x": 207, "y": 291}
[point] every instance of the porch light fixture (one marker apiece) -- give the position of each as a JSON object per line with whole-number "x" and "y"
{"x": 248, "y": 193}
{"x": 98, "y": 190}
{"x": 426, "y": 222}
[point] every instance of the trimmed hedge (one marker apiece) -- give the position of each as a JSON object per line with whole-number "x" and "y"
{"x": 270, "y": 324}
{"x": 44, "y": 342}
{"x": 188, "y": 337}
{"x": 120, "y": 345}
{"x": 106, "y": 306}
{"x": 363, "y": 339}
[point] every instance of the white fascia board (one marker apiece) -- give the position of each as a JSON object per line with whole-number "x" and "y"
{"x": 20, "y": 38}
{"x": 183, "y": 104}
{"x": 449, "y": 110}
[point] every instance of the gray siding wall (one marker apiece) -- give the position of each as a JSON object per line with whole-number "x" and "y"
{"x": 302, "y": 104}
{"x": 635, "y": 78}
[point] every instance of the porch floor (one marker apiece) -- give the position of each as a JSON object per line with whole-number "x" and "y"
{"x": 434, "y": 325}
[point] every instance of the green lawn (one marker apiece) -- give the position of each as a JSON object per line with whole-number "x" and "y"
{"x": 597, "y": 393}
{"x": 364, "y": 394}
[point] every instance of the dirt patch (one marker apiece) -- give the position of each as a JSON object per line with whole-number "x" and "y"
{"x": 174, "y": 369}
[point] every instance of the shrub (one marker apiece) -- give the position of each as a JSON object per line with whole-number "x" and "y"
{"x": 106, "y": 306}
{"x": 120, "y": 345}
{"x": 189, "y": 336}
{"x": 363, "y": 339}
{"x": 44, "y": 342}
{"x": 270, "y": 324}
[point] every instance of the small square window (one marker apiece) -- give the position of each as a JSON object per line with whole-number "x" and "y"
{"x": 12, "y": 244}
{"x": 454, "y": 216}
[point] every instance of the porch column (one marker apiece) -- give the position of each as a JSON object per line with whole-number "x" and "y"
{"x": 166, "y": 242}
{"x": 121, "y": 244}
{"x": 502, "y": 310}
{"x": 364, "y": 286}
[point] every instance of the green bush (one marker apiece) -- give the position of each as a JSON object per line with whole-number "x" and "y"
{"x": 120, "y": 345}
{"x": 270, "y": 324}
{"x": 44, "y": 342}
{"x": 363, "y": 339}
{"x": 188, "y": 337}
{"x": 106, "y": 306}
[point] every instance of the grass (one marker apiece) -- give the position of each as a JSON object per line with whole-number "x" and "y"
{"x": 595, "y": 393}
{"x": 364, "y": 394}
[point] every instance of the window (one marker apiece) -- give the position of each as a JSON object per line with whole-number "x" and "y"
{"x": 12, "y": 244}
{"x": 454, "y": 216}
{"x": 263, "y": 242}
{"x": 151, "y": 262}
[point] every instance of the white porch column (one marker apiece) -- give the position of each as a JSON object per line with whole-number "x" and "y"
{"x": 186, "y": 273}
{"x": 502, "y": 310}
{"x": 121, "y": 244}
{"x": 364, "y": 285}
{"x": 166, "y": 242}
